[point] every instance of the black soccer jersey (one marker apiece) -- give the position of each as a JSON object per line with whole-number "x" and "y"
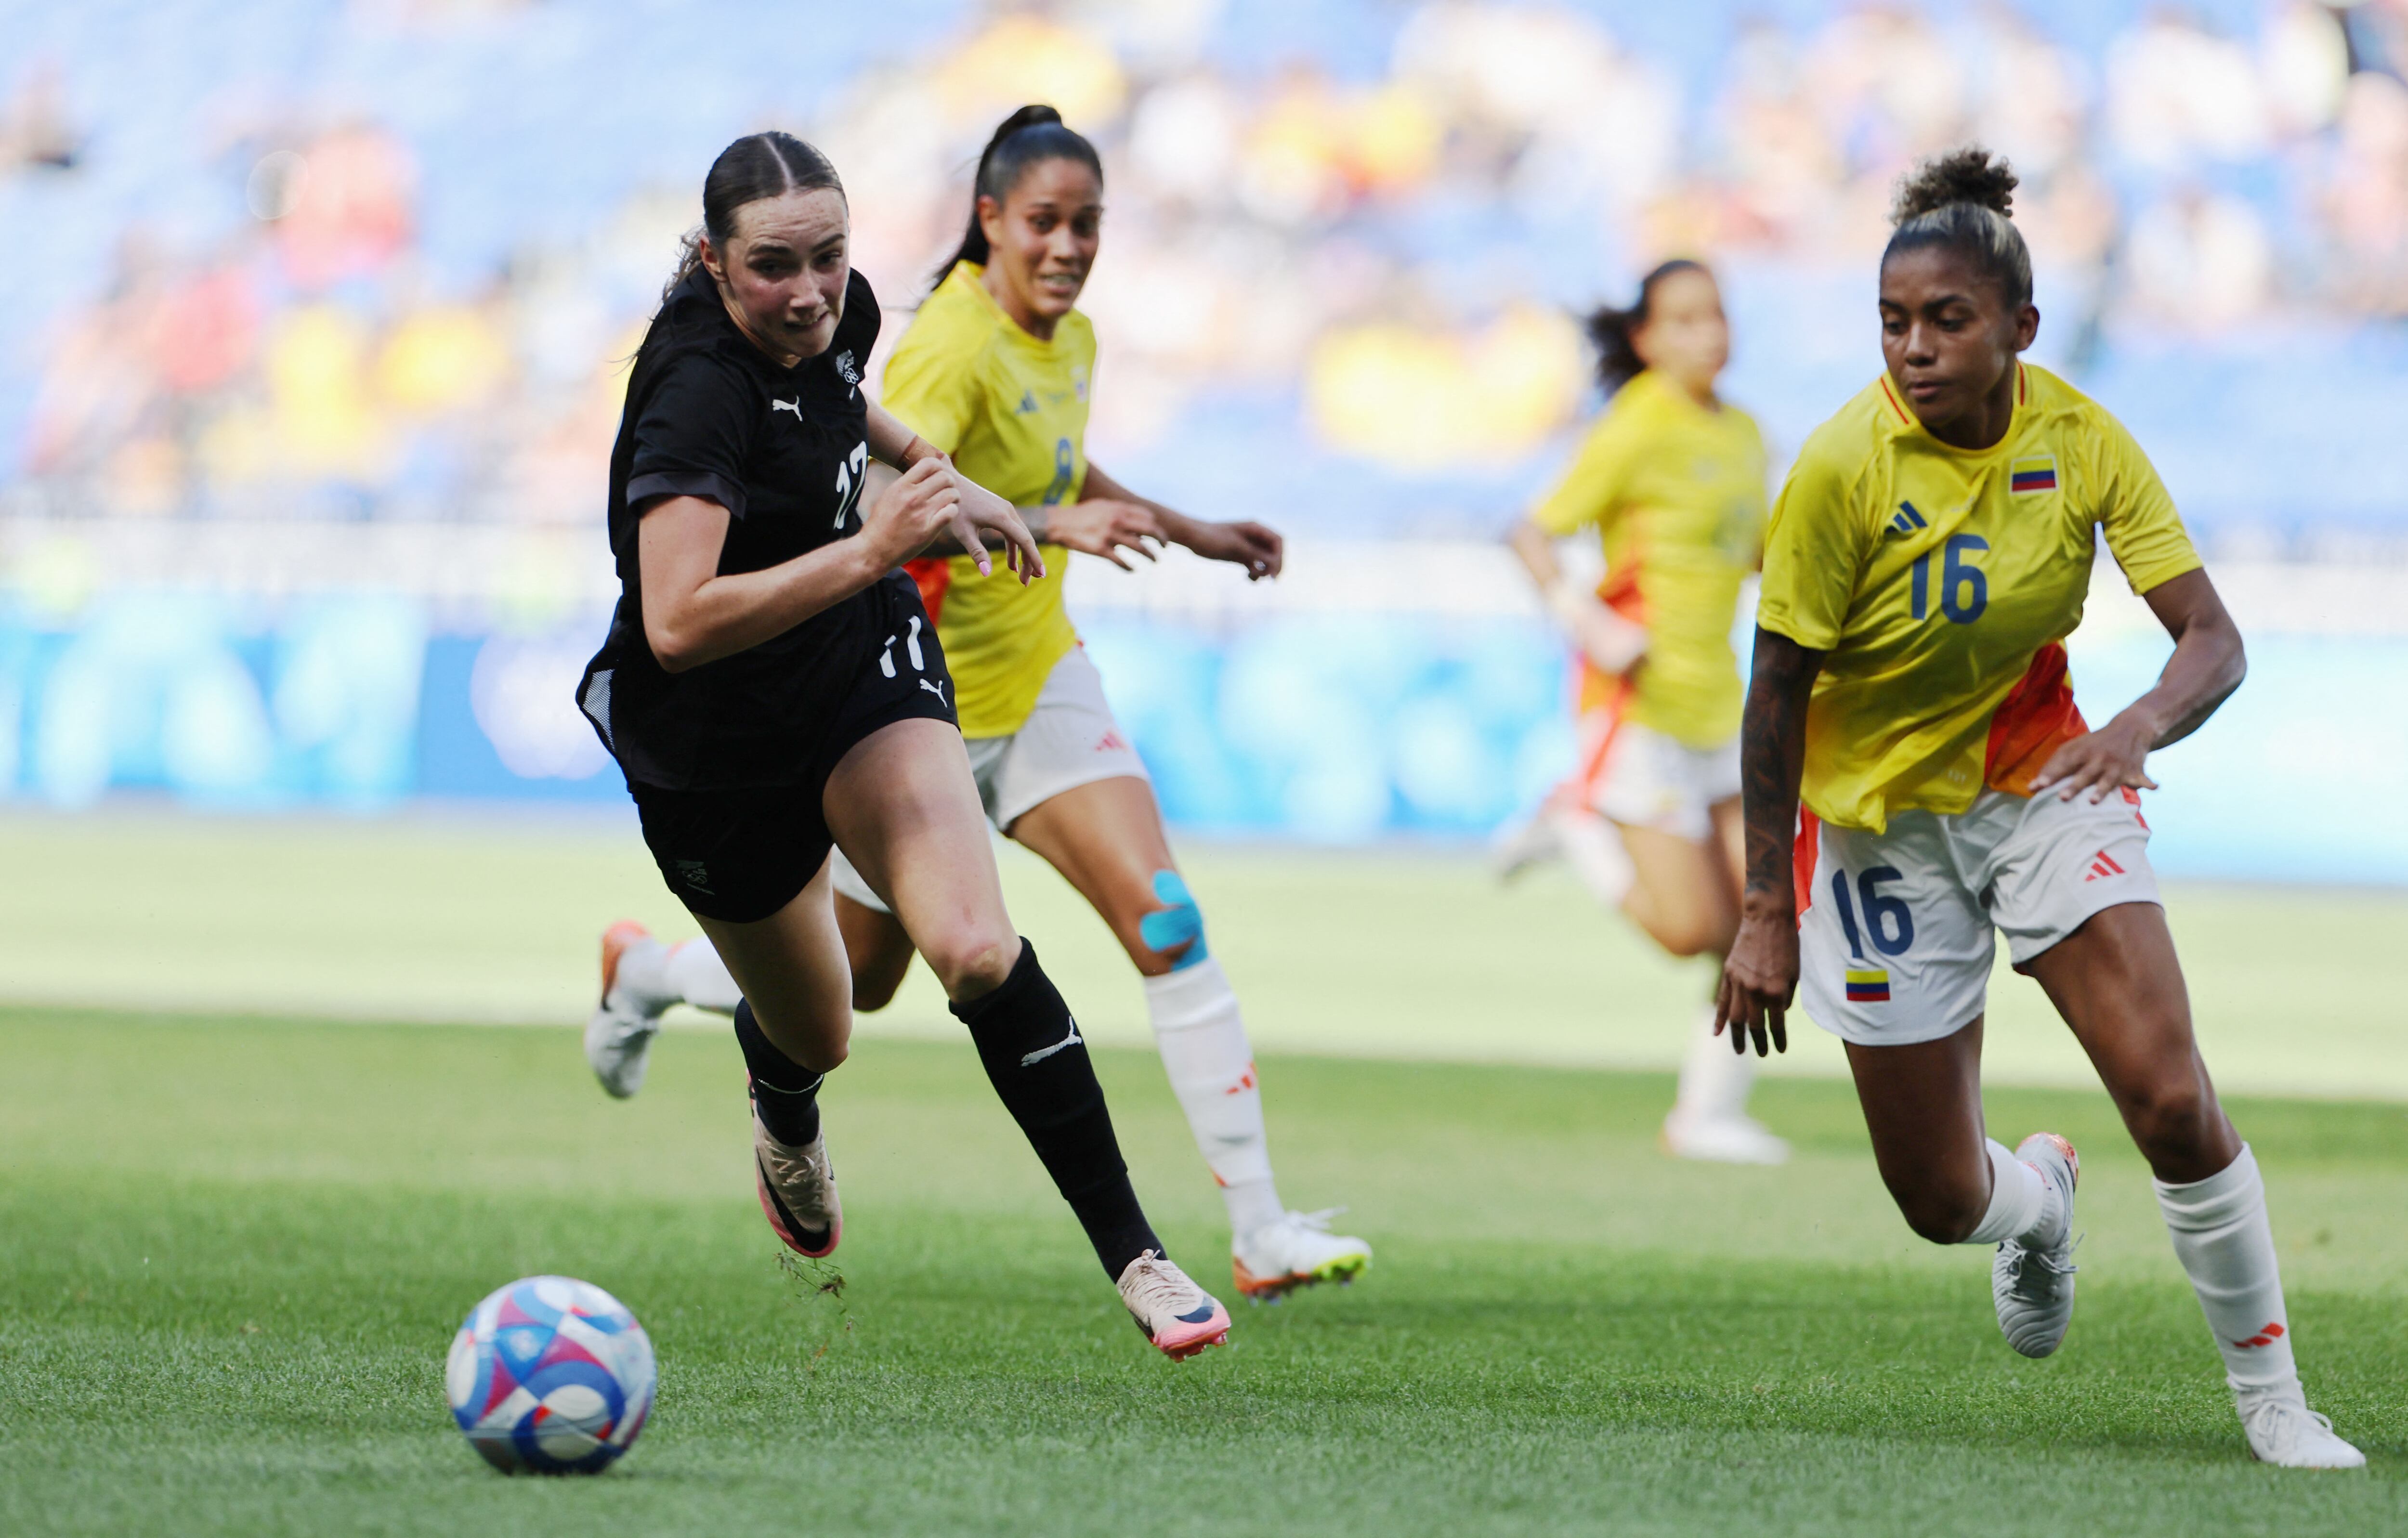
{"x": 709, "y": 415}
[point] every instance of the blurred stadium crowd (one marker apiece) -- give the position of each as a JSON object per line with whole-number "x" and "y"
{"x": 374, "y": 260}
{"x": 319, "y": 311}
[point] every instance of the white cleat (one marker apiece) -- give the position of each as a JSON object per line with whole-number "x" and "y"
{"x": 2033, "y": 1288}
{"x": 2283, "y": 1431}
{"x": 619, "y": 1036}
{"x": 1297, "y": 1250}
{"x": 1178, "y": 1317}
{"x": 1735, "y": 1138}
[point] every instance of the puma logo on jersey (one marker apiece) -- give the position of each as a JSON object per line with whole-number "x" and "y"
{"x": 936, "y": 687}
{"x": 794, "y": 406}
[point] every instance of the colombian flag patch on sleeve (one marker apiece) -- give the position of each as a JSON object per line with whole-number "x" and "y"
{"x": 1869, "y": 986}
{"x": 2033, "y": 474}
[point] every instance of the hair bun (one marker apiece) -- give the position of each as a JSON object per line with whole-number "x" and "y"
{"x": 1971, "y": 175}
{"x": 1028, "y": 117}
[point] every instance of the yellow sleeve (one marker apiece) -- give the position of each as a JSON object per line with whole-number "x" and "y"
{"x": 2143, "y": 530}
{"x": 1593, "y": 490}
{"x": 1814, "y": 549}
{"x": 932, "y": 387}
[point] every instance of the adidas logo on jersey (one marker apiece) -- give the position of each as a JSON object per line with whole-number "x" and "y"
{"x": 1027, "y": 406}
{"x": 1906, "y": 520}
{"x": 2102, "y": 864}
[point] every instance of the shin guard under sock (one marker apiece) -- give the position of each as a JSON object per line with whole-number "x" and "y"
{"x": 1202, "y": 1038}
{"x": 2023, "y": 1206}
{"x": 787, "y": 1093}
{"x": 1037, "y": 1062}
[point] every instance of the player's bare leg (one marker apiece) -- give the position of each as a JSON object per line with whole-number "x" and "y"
{"x": 1954, "y": 1185}
{"x": 905, "y": 810}
{"x": 1106, "y": 838}
{"x": 880, "y": 951}
{"x": 2118, "y": 984}
{"x": 1685, "y": 896}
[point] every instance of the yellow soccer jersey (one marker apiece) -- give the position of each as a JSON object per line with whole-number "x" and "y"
{"x": 1676, "y": 493}
{"x": 1941, "y": 584}
{"x": 1012, "y": 412}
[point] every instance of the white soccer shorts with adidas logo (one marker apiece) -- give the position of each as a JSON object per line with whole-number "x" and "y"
{"x": 1897, "y": 930}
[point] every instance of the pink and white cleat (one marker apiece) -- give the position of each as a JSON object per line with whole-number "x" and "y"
{"x": 798, "y": 1191}
{"x": 1178, "y": 1317}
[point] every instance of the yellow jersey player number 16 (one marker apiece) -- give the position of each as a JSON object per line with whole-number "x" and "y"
{"x": 1924, "y": 564}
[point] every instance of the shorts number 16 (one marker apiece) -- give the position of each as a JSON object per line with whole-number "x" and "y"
{"x": 1892, "y": 925}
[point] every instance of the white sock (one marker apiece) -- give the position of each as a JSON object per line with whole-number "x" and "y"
{"x": 2024, "y": 1205}
{"x": 1592, "y": 847}
{"x": 1212, "y": 1067}
{"x": 1714, "y": 1080}
{"x": 697, "y": 976}
{"x": 2223, "y": 1240}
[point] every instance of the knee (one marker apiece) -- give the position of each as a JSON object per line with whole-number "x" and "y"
{"x": 1690, "y": 936}
{"x": 2168, "y": 1118}
{"x": 1164, "y": 931}
{"x": 872, "y": 994}
{"x": 973, "y": 961}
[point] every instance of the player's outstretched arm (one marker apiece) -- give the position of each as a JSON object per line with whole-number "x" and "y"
{"x": 1256, "y": 546}
{"x": 2208, "y": 665}
{"x": 1760, "y": 974}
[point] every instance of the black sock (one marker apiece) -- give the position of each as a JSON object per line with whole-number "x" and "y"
{"x": 787, "y": 1092}
{"x": 1038, "y": 1064}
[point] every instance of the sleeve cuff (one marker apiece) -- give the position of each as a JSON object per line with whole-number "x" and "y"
{"x": 1811, "y": 637}
{"x": 687, "y": 483}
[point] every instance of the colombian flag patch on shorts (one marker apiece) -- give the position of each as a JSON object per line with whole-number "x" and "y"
{"x": 2035, "y": 475}
{"x": 1870, "y": 986}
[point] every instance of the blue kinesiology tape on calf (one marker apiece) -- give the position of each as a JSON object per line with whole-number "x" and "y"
{"x": 1179, "y": 924}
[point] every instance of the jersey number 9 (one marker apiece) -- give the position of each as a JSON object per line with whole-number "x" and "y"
{"x": 1964, "y": 592}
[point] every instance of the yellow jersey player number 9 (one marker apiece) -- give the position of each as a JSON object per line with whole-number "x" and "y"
{"x": 1925, "y": 563}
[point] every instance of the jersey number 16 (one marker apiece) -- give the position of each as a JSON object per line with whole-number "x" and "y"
{"x": 1964, "y": 592}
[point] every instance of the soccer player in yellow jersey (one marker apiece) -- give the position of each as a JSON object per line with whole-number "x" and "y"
{"x": 1671, "y": 478}
{"x": 1926, "y": 561}
{"x": 996, "y": 370}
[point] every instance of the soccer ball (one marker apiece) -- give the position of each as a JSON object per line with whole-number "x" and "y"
{"x": 551, "y": 1376}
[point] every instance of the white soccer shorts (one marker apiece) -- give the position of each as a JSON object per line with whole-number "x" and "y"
{"x": 1069, "y": 739}
{"x": 1896, "y": 929}
{"x": 1642, "y": 778}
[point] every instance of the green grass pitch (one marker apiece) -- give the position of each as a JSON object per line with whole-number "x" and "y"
{"x": 233, "y": 1251}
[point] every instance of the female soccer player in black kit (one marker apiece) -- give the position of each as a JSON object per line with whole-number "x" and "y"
{"x": 771, "y": 688}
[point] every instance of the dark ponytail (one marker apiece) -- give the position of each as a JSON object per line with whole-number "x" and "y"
{"x": 1965, "y": 200}
{"x": 1032, "y": 135}
{"x": 757, "y": 166}
{"x": 1617, "y": 359}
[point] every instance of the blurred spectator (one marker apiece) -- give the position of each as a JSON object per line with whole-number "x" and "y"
{"x": 35, "y": 126}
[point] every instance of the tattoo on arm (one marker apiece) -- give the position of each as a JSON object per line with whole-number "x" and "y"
{"x": 1772, "y": 757}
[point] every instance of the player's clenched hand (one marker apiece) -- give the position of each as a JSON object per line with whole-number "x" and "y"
{"x": 913, "y": 511}
{"x": 1253, "y": 545}
{"x": 1759, "y": 980}
{"x": 1105, "y": 526}
{"x": 2102, "y": 762}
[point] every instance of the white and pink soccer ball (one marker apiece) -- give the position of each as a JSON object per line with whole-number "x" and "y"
{"x": 551, "y": 1376}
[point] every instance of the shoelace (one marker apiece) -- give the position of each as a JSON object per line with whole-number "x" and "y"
{"x": 2265, "y": 1417}
{"x": 787, "y": 1165}
{"x": 1318, "y": 1221}
{"x": 1157, "y": 1287}
{"x": 2028, "y": 1260}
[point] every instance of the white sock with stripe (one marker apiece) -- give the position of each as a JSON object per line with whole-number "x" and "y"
{"x": 2226, "y": 1246}
{"x": 2024, "y": 1205}
{"x": 1202, "y": 1038}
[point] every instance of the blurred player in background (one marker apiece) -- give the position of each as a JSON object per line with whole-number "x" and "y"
{"x": 995, "y": 371}
{"x": 770, "y": 688}
{"x": 1930, "y": 553}
{"x": 1672, "y": 480}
